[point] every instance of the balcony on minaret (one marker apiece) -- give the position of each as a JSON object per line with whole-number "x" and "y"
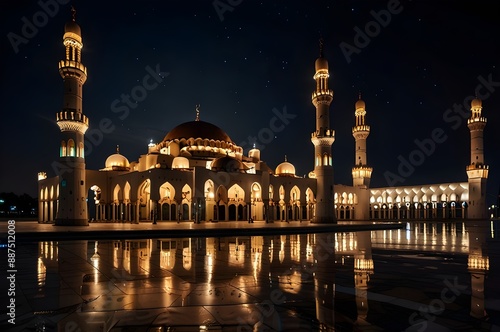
{"x": 72, "y": 64}
{"x": 323, "y": 133}
{"x": 72, "y": 121}
{"x": 477, "y": 171}
{"x": 322, "y": 96}
{"x": 361, "y": 172}
{"x": 480, "y": 120}
{"x": 360, "y": 128}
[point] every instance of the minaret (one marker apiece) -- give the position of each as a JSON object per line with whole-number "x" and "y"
{"x": 361, "y": 173}
{"x": 477, "y": 171}
{"x": 323, "y": 139}
{"x": 73, "y": 124}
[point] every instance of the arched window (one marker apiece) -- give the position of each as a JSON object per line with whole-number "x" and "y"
{"x": 63, "y": 149}
{"x": 325, "y": 159}
{"x": 82, "y": 155}
{"x": 71, "y": 148}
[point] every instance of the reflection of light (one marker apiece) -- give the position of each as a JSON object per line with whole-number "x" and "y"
{"x": 363, "y": 264}
{"x": 476, "y": 262}
{"x": 42, "y": 270}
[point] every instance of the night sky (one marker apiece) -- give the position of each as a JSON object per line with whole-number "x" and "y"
{"x": 247, "y": 63}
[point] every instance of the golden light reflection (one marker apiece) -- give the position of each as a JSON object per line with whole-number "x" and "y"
{"x": 476, "y": 262}
{"x": 41, "y": 273}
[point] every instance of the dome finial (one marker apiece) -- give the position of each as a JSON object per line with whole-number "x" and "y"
{"x": 197, "y": 113}
{"x": 117, "y": 148}
{"x": 73, "y": 13}
{"x": 285, "y": 158}
{"x": 359, "y": 96}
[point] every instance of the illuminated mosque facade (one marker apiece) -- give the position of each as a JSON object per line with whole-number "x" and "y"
{"x": 198, "y": 173}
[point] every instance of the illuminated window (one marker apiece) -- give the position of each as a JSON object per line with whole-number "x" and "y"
{"x": 71, "y": 148}
{"x": 63, "y": 149}
{"x": 81, "y": 150}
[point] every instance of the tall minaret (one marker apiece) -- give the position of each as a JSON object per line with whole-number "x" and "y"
{"x": 73, "y": 124}
{"x": 323, "y": 139}
{"x": 361, "y": 173}
{"x": 477, "y": 171}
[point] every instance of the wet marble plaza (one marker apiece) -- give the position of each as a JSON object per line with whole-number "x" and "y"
{"x": 432, "y": 276}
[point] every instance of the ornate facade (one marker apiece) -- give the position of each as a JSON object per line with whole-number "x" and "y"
{"x": 198, "y": 173}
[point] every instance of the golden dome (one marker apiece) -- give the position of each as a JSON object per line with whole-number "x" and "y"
{"x": 198, "y": 129}
{"x": 72, "y": 27}
{"x": 180, "y": 162}
{"x": 117, "y": 161}
{"x": 476, "y": 103}
{"x": 285, "y": 169}
{"x": 321, "y": 63}
{"x": 227, "y": 164}
{"x": 360, "y": 104}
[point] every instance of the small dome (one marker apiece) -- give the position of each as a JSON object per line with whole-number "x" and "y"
{"x": 476, "y": 103}
{"x": 227, "y": 164}
{"x": 321, "y": 63}
{"x": 71, "y": 26}
{"x": 180, "y": 162}
{"x": 285, "y": 169}
{"x": 360, "y": 104}
{"x": 117, "y": 160}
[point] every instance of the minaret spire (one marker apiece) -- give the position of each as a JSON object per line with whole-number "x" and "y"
{"x": 477, "y": 171}
{"x": 361, "y": 173}
{"x": 323, "y": 139}
{"x": 73, "y": 125}
{"x": 73, "y": 13}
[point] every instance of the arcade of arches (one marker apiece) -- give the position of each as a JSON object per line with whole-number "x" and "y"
{"x": 176, "y": 202}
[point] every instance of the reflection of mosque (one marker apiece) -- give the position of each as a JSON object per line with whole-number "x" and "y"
{"x": 322, "y": 275}
{"x": 196, "y": 172}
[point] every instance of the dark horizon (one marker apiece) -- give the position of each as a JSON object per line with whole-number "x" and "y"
{"x": 427, "y": 58}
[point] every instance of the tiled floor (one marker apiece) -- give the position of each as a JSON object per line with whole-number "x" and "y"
{"x": 305, "y": 282}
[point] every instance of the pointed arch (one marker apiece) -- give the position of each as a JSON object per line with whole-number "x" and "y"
{"x": 81, "y": 153}
{"x": 282, "y": 193}
{"x": 143, "y": 196}
{"x": 256, "y": 191}
{"x": 63, "y": 149}
{"x": 126, "y": 192}
{"x": 209, "y": 189}
{"x": 117, "y": 194}
{"x": 295, "y": 194}
{"x": 167, "y": 192}
{"x": 235, "y": 192}
{"x": 71, "y": 148}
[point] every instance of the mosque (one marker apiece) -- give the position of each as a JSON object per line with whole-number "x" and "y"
{"x": 198, "y": 173}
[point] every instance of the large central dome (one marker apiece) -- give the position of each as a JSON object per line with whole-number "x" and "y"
{"x": 198, "y": 129}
